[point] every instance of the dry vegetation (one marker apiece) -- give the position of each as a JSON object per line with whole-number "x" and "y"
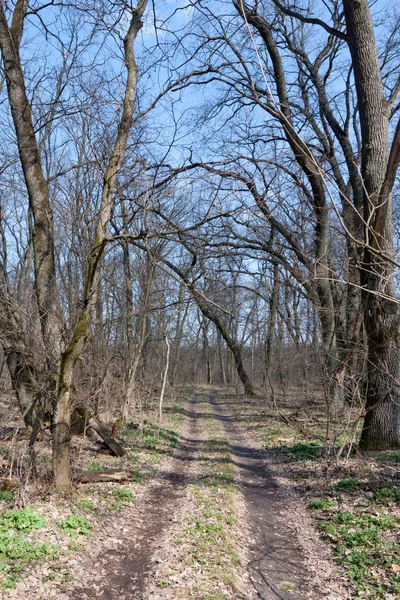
{"x": 354, "y": 498}
{"x": 42, "y": 533}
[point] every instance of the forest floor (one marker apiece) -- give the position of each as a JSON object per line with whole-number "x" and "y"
{"x": 227, "y": 502}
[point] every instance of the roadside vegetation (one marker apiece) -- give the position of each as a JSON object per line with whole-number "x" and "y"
{"x": 354, "y": 499}
{"x": 42, "y": 533}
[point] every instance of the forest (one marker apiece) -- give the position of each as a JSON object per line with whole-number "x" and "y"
{"x": 199, "y": 312}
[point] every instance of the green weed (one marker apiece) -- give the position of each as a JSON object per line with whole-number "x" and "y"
{"x": 76, "y": 525}
{"x": 362, "y": 543}
{"x": 85, "y": 504}
{"x": 24, "y": 520}
{"x": 348, "y": 485}
{"x": 387, "y": 495}
{"x": 324, "y": 504}
{"x": 95, "y": 467}
{"x": 7, "y": 496}
{"x": 123, "y": 495}
{"x": 15, "y": 551}
{"x": 305, "y": 450}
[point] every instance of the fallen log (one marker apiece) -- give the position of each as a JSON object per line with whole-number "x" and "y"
{"x": 101, "y": 476}
{"x": 107, "y": 437}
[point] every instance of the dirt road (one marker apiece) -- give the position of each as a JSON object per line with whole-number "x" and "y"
{"x": 146, "y": 551}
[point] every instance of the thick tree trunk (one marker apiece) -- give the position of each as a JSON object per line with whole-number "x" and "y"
{"x": 381, "y": 315}
{"x": 107, "y": 437}
{"x": 43, "y": 229}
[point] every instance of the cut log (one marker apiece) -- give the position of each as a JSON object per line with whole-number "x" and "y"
{"x": 100, "y": 476}
{"x": 107, "y": 437}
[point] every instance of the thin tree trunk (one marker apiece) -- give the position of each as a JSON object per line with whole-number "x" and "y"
{"x": 221, "y": 358}
{"x": 165, "y": 377}
{"x": 273, "y": 308}
{"x": 180, "y": 324}
{"x": 62, "y": 408}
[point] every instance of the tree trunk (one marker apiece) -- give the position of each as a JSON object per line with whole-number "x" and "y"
{"x": 165, "y": 378}
{"x": 62, "y": 405}
{"x": 180, "y": 324}
{"x": 273, "y": 307}
{"x": 39, "y": 201}
{"x": 381, "y": 430}
{"x": 204, "y": 324}
{"x": 233, "y": 346}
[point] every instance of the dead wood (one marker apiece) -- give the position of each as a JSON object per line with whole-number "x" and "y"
{"x": 107, "y": 437}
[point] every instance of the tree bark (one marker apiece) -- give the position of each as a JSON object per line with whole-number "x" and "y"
{"x": 381, "y": 429}
{"x": 273, "y": 308}
{"x": 39, "y": 201}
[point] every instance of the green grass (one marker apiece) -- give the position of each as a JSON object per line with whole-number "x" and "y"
{"x": 323, "y": 504}
{"x": 85, "y": 504}
{"x": 305, "y": 450}
{"x": 16, "y": 553}
{"x": 367, "y": 544}
{"x": 208, "y": 533}
{"x": 7, "y": 496}
{"x": 76, "y": 525}
{"x": 24, "y": 520}
{"x": 123, "y": 495}
{"x": 95, "y": 467}
{"x": 348, "y": 485}
{"x": 387, "y": 495}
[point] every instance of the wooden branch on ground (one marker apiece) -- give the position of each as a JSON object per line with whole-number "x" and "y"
{"x": 291, "y": 421}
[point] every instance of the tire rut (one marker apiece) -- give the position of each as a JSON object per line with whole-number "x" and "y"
{"x": 277, "y": 565}
{"x": 122, "y": 572}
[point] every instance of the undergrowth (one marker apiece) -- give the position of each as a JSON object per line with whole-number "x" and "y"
{"x": 16, "y": 551}
{"x": 356, "y": 498}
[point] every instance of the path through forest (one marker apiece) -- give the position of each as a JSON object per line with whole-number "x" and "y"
{"x": 273, "y": 562}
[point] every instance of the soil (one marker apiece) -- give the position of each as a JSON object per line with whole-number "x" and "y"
{"x": 282, "y": 555}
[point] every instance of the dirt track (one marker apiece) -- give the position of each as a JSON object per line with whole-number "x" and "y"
{"x": 276, "y": 564}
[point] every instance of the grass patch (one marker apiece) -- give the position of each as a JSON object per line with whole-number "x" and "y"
{"x": 7, "y": 496}
{"x": 367, "y": 544}
{"x": 387, "y": 495}
{"x": 95, "y": 467}
{"x": 209, "y": 535}
{"x": 348, "y": 485}
{"x": 123, "y": 495}
{"x": 85, "y": 504}
{"x": 305, "y": 450}
{"x": 16, "y": 552}
{"x": 76, "y": 525}
{"x": 24, "y": 520}
{"x": 323, "y": 504}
